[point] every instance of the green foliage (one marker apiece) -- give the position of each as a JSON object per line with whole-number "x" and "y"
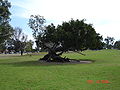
{"x": 36, "y": 23}
{"x": 74, "y": 35}
{"x": 5, "y": 28}
{"x": 109, "y": 42}
{"x": 117, "y": 45}
{"x": 79, "y": 35}
{"x": 4, "y": 11}
{"x": 2, "y": 48}
{"x": 18, "y": 41}
{"x": 29, "y": 45}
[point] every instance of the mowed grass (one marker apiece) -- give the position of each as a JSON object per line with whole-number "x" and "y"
{"x": 26, "y": 73}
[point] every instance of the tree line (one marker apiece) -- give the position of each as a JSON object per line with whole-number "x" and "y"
{"x": 74, "y": 35}
{"x": 12, "y": 40}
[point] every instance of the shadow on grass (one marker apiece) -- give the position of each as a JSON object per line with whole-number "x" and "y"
{"x": 38, "y": 63}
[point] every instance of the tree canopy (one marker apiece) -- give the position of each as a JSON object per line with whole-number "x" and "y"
{"x": 17, "y": 43}
{"x": 109, "y": 42}
{"x": 74, "y": 35}
{"x": 19, "y": 39}
{"x": 5, "y": 28}
{"x": 117, "y": 45}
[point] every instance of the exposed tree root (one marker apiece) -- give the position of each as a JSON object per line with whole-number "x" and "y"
{"x": 54, "y": 58}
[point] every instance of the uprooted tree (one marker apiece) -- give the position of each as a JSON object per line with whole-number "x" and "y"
{"x": 75, "y": 35}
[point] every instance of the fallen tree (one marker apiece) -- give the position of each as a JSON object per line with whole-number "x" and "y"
{"x": 75, "y": 35}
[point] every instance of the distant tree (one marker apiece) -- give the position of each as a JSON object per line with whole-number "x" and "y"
{"x": 5, "y": 28}
{"x": 19, "y": 40}
{"x": 9, "y": 45}
{"x": 109, "y": 42}
{"x": 29, "y": 46}
{"x": 2, "y": 48}
{"x": 75, "y": 35}
{"x": 117, "y": 45}
{"x": 36, "y": 22}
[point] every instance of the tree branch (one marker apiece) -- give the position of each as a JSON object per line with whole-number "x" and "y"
{"x": 80, "y": 53}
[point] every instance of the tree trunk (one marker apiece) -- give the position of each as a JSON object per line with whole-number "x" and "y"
{"x": 21, "y": 52}
{"x": 53, "y": 57}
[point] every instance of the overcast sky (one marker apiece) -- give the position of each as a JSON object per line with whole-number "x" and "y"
{"x": 103, "y": 14}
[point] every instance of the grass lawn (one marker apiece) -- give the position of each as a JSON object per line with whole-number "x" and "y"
{"x": 25, "y": 73}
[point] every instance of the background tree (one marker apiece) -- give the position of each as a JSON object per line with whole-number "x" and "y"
{"x": 109, "y": 42}
{"x": 17, "y": 41}
{"x": 36, "y": 22}
{"x": 117, "y": 45}
{"x": 29, "y": 46}
{"x": 5, "y": 28}
{"x": 2, "y": 48}
{"x": 75, "y": 35}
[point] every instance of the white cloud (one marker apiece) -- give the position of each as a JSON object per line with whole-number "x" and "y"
{"x": 62, "y": 9}
{"x": 104, "y": 14}
{"x": 111, "y": 29}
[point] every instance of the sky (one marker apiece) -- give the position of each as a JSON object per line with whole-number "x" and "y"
{"x": 103, "y": 14}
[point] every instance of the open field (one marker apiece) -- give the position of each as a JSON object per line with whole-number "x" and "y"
{"x": 26, "y": 73}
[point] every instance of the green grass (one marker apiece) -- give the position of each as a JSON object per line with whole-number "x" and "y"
{"x": 25, "y": 73}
